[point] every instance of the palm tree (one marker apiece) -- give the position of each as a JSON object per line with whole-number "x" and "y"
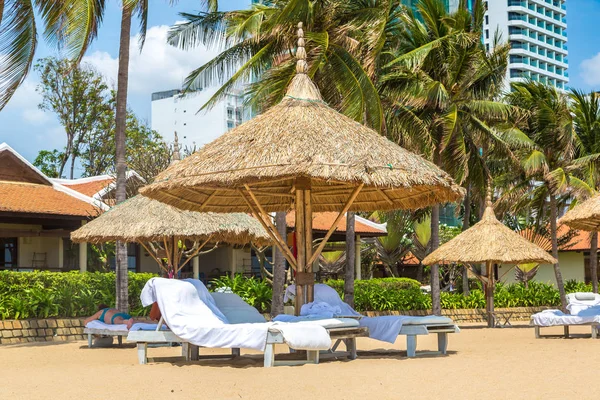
{"x": 546, "y": 178}
{"x": 349, "y": 41}
{"x": 586, "y": 112}
{"x": 140, "y": 9}
{"x": 70, "y": 25}
{"x": 439, "y": 92}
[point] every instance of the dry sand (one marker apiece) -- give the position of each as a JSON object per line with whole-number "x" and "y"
{"x": 482, "y": 363}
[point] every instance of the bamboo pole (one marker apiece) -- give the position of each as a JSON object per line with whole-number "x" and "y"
{"x": 308, "y": 243}
{"x": 300, "y": 248}
{"x": 335, "y": 223}
{"x": 271, "y": 230}
{"x": 154, "y": 256}
{"x": 490, "y": 293}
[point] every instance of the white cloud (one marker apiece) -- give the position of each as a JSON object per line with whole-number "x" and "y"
{"x": 590, "y": 70}
{"x": 159, "y": 66}
{"x": 25, "y": 102}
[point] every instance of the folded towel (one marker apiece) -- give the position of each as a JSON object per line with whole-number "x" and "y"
{"x": 320, "y": 308}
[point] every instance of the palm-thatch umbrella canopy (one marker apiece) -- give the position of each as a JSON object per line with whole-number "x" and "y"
{"x": 304, "y": 155}
{"x": 160, "y": 228}
{"x": 489, "y": 241}
{"x": 584, "y": 216}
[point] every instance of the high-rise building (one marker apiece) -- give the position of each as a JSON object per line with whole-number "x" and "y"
{"x": 172, "y": 111}
{"x": 537, "y": 32}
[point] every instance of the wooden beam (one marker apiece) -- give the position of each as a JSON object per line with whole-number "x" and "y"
{"x": 300, "y": 249}
{"x": 154, "y": 255}
{"x": 308, "y": 243}
{"x": 270, "y": 228}
{"x": 385, "y": 196}
{"x": 335, "y": 223}
{"x": 209, "y": 198}
{"x": 195, "y": 253}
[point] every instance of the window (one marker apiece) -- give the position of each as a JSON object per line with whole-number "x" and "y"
{"x": 238, "y": 115}
{"x": 230, "y": 113}
{"x": 487, "y": 34}
{"x": 8, "y": 246}
{"x": 229, "y": 124}
{"x": 487, "y": 20}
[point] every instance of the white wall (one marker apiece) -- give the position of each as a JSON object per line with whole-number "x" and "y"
{"x": 571, "y": 266}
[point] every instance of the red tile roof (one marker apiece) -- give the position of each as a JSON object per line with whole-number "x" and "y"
{"x": 580, "y": 242}
{"x": 41, "y": 199}
{"x": 410, "y": 259}
{"x": 90, "y": 188}
{"x": 322, "y": 222}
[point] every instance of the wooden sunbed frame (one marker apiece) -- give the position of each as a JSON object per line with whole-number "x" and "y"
{"x": 412, "y": 331}
{"x": 104, "y": 332}
{"x": 594, "y": 325}
{"x": 191, "y": 352}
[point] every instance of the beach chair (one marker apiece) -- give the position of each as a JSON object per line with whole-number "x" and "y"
{"x": 387, "y": 328}
{"x": 98, "y": 328}
{"x": 584, "y": 310}
{"x": 196, "y": 322}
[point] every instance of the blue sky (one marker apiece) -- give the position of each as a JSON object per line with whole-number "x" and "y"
{"x": 161, "y": 67}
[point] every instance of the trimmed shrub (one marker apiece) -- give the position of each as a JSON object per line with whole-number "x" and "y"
{"x": 42, "y": 294}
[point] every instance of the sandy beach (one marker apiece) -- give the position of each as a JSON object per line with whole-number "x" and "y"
{"x": 482, "y": 363}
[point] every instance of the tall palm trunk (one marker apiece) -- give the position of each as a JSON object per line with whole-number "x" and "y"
{"x": 120, "y": 122}
{"x": 557, "y": 273}
{"x": 436, "y": 305}
{"x": 350, "y": 255}
{"x": 278, "y": 268}
{"x": 466, "y": 225}
{"x": 594, "y": 260}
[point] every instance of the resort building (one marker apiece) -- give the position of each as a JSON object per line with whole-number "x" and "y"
{"x": 537, "y": 32}
{"x": 172, "y": 111}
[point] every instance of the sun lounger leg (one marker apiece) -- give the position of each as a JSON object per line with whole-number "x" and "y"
{"x": 442, "y": 342}
{"x": 411, "y": 345}
{"x": 120, "y": 340}
{"x": 185, "y": 351}
{"x": 335, "y": 345}
{"x": 269, "y": 356}
{"x": 537, "y": 332}
{"x": 194, "y": 352}
{"x": 594, "y": 331}
{"x": 89, "y": 340}
{"x": 236, "y": 352}
{"x": 351, "y": 347}
{"x": 142, "y": 350}
{"x": 566, "y": 328}
{"x": 312, "y": 356}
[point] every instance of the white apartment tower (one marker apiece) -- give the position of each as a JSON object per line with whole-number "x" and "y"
{"x": 537, "y": 32}
{"x": 172, "y": 111}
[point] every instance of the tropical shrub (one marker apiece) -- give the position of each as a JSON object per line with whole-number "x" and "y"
{"x": 67, "y": 294}
{"x": 256, "y": 292}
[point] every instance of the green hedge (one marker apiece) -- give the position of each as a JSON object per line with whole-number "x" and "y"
{"x": 64, "y": 294}
{"x": 72, "y": 294}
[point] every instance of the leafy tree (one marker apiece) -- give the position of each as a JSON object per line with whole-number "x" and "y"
{"x": 49, "y": 162}
{"x": 69, "y": 25}
{"x": 545, "y": 177}
{"x": 76, "y": 94}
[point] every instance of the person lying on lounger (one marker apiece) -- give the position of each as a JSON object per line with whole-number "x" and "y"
{"x": 111, "y": 316}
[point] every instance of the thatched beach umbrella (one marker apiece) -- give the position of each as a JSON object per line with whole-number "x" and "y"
{"x": 304, "y": 155}
{"x": 489, "y": 241}
{"x": 163, "y": 229}
{"x": 584, "y": 216}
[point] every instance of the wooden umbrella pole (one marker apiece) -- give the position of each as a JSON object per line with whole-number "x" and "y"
{"x": 195, "y": 253}
{"x": 265, "y": 220}
{"x": 168, "y": 253}
{"x": 154, "y": 256}
{"x": 335, "y": 223}
{"x": 301, "y": 251}
{"x": 308, "y": 219}
{"x": 490, "y": 294}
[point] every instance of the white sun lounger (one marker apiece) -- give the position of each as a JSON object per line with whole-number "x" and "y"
{"x": 208, "y": 327}
{"x": 381, "y": 328}
{"x": 584, "y": 310}
{"x": 116, "y": 330}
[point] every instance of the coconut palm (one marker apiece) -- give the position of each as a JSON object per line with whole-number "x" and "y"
{"x": 348, "y": 43}
{"x": 70, "y": 25}
{"x": 130, "y": 8}
{"x": 439, "y": 94}
{"x": 586, "y": 112}
{"x": 546, "y": 176}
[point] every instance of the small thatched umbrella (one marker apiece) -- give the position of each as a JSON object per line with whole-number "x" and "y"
{"x": 489, "y": 241}
{"x": 160, "y": 228}
{"x": 586, "y": 217}
{"x": 302, "y": 154}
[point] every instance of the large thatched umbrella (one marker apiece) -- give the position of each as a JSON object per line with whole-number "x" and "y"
{"x": 304, "y": 155}
{"x": 163, "y": 230}
{"x": 489, "y": 241}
